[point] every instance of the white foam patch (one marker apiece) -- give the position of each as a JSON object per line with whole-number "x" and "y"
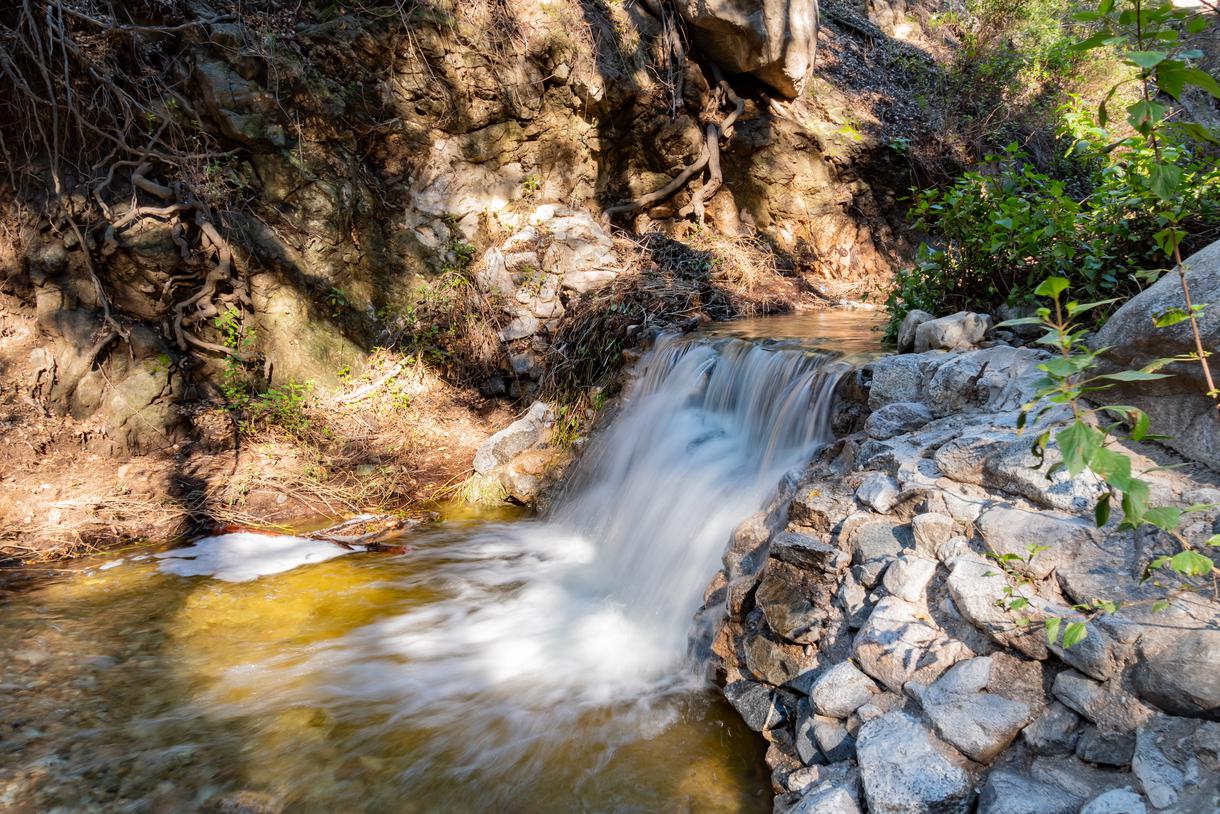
{"x": 244, "y": 556}
{"x": 111, "y": 564}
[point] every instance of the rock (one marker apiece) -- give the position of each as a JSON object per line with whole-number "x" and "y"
{"x": 794, "y": 601}
{"x": 1012, "y": 468}
{"x": 900, "y": 642}
{"x": 1054, "y": 732}
{"x": 1177, "y": 405}
{"x": 757, "y": 704}
{"x": 1177, "y": 764}
{"x": 775, "y": 40}
{"x": 841, "y": 690}
{"x": 896, "y": 419}
{"x": 854, "y": 601}
{"x": 833, "y": 739}
{"x": 1116, "y": 801}
{"x": 955, "y": 332}
{"x": 245, "y": 802}
{"x": 804, "y": 551}
{"x": 980, "y": 724}
{"x": 769, "y": 658}
{"x": 931, "y": 530}
{"x": 879, "y": 492}
{"x": 1076, "y": 777}
{"x": 906, "y": 331}
{"x": 805, "y": 742}
{"x": 520, "y": 327}
{"x": 1107, "y": 705}
{"x": 1178, "y": 669}
{"x": 905, "y": 769}
{"x": 950, "y": 551}
{"x": 873, "y": 545}
{"x": 826, "y": 801}
{"x": 976, "y": 587}
{"x": 892, "y": 379}
{"x": 1107, "y": 748}
{"x": 1006, "y": 530}
{"x": 907, "y": 577}
{"x": 1007, "y": 792}
{"x": 993, "y": 380}
{"x": 514, "y": 439}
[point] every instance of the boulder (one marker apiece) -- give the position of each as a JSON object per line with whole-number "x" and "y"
{"x": 1007, "y": 530}
{"x": 954, "y": 332}
{"x": 795, "y": 601}
{"x": 980, "y": 724}
{"x": 1177, "y": 406}
{"x": 1105, "y": 747}
{"x": 1054, "y": 732}
{"x": 905, "y": 769}
{"x": 1178, "y": 669}
{"x": 896, "y": 419}
{"x": 1007, "y": 792}
{"x": 774, "y": 40}
{"x": 758, "y": 705}
{"x": 1107, "y": 705}
{"x": 829, "y": 800}
{"x": 841, "y": 690}
{"x": 977, "y": 589}
{"x": 833, "y": 738}
{"x": 931, "y": 530}
{"x": 899, "y": 642}
{"x": 906, "y": 331}
{"x": 879, "y": 492}
{"x": 873, "y": 545}
{"x": 893, "y": 379}
{"x": 1116, "y": 801}
{"x": 514, "y": 439}
{"x": 1177, "y": 764}
{"x": 907, "y": 577}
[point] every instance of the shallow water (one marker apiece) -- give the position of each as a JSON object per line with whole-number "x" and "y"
{"x": 501, "y": 664}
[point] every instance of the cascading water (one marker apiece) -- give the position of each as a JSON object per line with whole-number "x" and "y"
{"x": 580, "y": 621}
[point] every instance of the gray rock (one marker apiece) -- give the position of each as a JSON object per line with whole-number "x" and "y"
{"x": 1007, "y": 530}
{"x": 1076, "y": 777}
{"x": 906, "y": 331}
{"x": 757, "y": 704}
{"x": 1054, "y": 732}
{"x": 1177, "y": 405}
{"x": 806, "y": 744}
{"x": 892, "y": 379}
{"x": 1177, "y": 764}
{"x": 977, "y": 587}
{"x": 953, "y": 549}
{"x": 1107, "y": 705}
{"x": 993, "y": 380}
{"x": 513, "y": 439}
{"x": 774, "y": 40}
{"x": 1178, "y": 668}
{"x": 833, "y": 739}
{"x": 954, "y": 332}
{"x": 841, "y": 690}
{"x": 826, "y": 801}
{"x": 874, "y": 544}
{"x": 804, "y": 551}
{"x": 1116, "y": 801}
{"x": 980, "y": 724}
{"x": 822, "y": 788}
{"x": 906, "y": 769}
{"x": 896, "y": 419}
{"x": 900, "y": 642}
{"x": 1007, "y": 792}
{"x": 1105, "y": 747}
{"x": 907, "y": 577}
{"x": 931, "y": 529}
{"x": 879, "y": 492}
{"x": 854, "y": 601}
{"x": 794, "y": 600}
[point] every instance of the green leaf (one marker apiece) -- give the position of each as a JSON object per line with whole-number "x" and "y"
{"x": 1160, "y": 606}
{"x": 1170, "y": 317}
{"x": 1163, "y": 517}
{"x": 1202, "y": 79}
{"x": 1196, "y": 24}
{"x": 1140, "y": 428}
{"x": 1075, "y": 308}
{"x": 1214, "y": 540}
{"x": 1144, "y": 115}
{"x": 1135, "y": 502}
{"x": 1171, "y": 77}
{"x": 1074, "y": 633}
{"x": 1052, "y": 287}
{"x": 1078, "y": 443}
{"x": 1114, "y": 468}
{"x": 1165, "y": 180}
{"x": 1005, "y": 223}
{"x": 1009, "y": 323}
{"x": 1101, "y": 512}
{"x": 1018, "y": 603}
{"x": 1147, "y": 59}
{"x": 1190, "y": 564}
{"x": 1051, "y": 628}
{"x": 1133, "y": 376}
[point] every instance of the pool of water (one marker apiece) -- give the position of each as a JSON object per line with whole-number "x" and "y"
{"x": 135, "y": 690}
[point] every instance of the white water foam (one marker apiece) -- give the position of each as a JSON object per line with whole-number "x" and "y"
{"x": 243, "y": 556}
{"x": 543, "y": 623}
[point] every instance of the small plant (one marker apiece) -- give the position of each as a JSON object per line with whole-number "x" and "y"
{"x": 337, "y": 300}
{"x": 531, "y": 184}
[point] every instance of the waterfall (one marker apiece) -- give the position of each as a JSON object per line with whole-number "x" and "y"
{"x": 537, "y": 628}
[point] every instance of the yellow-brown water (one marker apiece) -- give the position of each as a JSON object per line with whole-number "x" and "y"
{"x": 132, "y": 690}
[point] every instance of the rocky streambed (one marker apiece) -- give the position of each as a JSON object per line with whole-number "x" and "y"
{"x": 860, "y": 623}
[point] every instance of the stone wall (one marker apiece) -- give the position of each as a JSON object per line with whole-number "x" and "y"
{"x": 861, "y": 624}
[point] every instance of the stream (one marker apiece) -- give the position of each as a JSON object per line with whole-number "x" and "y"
{"x": 504, "y": 663}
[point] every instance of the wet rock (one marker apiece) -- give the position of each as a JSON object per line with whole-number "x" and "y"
{"x": 1007, "y": 530}
{"x": 794, "y": 601}
{"x": 900, "y": 642}
{"x": 907, "y": 577}
{"x": 954, "y": 332}
{"x": 767, "y": 657}
{"x": 841, "y": 690}
{"x": 980, "y": 724}
{"x": 1107, "y": 705}
{"x": 1007, "y": 792}
{"x": 1054, "y": 732}
{"x": 1105, "y": 747}
{"x": 759, "y": 706}
{"x": 905, "y": 768}
{"x": 906, "y": 331}
{"x": 896, "y": 419}
{"x": 804, "y": 551}
{"x": 1177, "y": 764}
{"x": 879, "y": 492}
{"x": 1116, "y": 801}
